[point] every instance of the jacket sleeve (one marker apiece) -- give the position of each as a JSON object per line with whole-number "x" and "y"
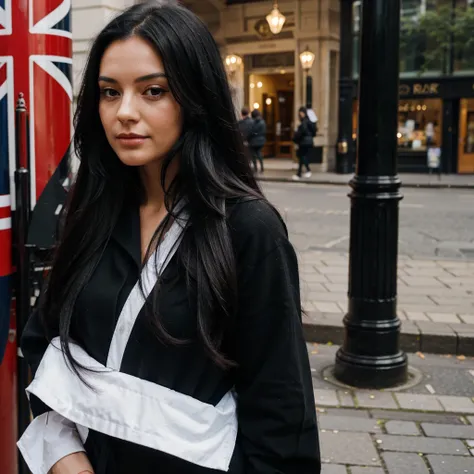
{"x": 276, "y": 410}
{"x": 298, "y": 134}
{"x": 50, "y": 436}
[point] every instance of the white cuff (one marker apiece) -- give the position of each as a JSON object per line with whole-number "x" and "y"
{"x": 49, "y": 438}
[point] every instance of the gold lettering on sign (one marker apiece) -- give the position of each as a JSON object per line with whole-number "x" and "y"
{"x": 404, "y": 89}
{"x": 426, "y": 89}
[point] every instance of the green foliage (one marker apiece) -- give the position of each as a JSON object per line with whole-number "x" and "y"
{"x": 433, "y": 34}
{"x": 463, "y": 31}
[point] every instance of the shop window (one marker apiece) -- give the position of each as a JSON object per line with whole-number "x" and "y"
{"x": 466, "y": 136}
{"x": 419, "y": 124}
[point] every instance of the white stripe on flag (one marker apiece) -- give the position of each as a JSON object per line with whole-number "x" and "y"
{"x": 5, "y": 223}
{"x": 5, "y": 200}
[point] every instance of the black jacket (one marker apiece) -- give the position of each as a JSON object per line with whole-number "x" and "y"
{"x": 258, "y": 133}
{"x": 245, "y": 127}
{"x": 275, "y": 421}
{"x": 304, "y": 136}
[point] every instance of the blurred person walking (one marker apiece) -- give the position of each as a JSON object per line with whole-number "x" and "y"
{"x": 168, "y": 337}
{"x": 245, "y": 127}
{"x": 257, "y": 139}
{"x": 303, "y": 137}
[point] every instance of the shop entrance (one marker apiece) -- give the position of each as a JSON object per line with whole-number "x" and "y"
{"x": 273, "y": 95}
{"x": 466, "y": 137}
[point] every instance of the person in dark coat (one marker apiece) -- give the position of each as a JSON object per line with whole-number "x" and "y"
{"x": 303, "y": 137}
{"x": 245, "y": 125}
{"x": 257, "y": 139}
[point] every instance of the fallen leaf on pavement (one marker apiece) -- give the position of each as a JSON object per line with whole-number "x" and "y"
{"x": 461, "y": 357}
{"x": 420, "y": 355}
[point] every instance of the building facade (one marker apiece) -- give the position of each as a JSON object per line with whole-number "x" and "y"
{"x": 270, "y": 76}
{"x": 436, "y": 82}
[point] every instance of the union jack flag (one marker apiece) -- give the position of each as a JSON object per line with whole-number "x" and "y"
{"x": 35, "y": 59}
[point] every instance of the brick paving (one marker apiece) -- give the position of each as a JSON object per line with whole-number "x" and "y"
{"x": 395, "y": 441}
{"x": 435, "y": 301}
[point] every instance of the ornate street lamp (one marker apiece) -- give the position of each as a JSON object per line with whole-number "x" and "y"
{"x": 232, "y": 62}
{"x": 276, "y": 19}
{"x": 307, "y": 60}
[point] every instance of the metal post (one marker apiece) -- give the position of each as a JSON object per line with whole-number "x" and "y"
{"x": 309, "y": 91}
{"x": 22, "y": 289}
{"x": 345, "y": 144}
{"x": 370, "y": 356}
{"x": 22, "y": 262}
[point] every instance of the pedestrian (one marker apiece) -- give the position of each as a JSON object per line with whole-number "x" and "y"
{"x": 257, "y": 139}
{"x": 168, "y": 337}
{"x": 245, "y": 125}
{"x": 303, "y": 137}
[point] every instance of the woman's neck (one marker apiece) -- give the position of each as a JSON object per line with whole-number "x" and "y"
{"x": 151, "y": 179}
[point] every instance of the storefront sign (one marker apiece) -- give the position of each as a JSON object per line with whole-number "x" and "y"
{"x": 434, "y": 158}
{"x": 420, "y": 89}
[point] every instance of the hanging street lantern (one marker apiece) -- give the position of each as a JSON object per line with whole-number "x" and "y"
{"x": 276, "y": 19}
{"x": 232, "y": 62}
{"x": 307, "y": 59}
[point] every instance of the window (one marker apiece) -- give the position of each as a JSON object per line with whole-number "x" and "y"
{"x": 419, "y": 124}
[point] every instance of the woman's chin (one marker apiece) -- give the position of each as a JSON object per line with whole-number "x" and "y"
{"x": 135, "y": 159}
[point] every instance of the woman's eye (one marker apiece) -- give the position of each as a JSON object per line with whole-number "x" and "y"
{"x": 154, "y": 92}
{"x": 109, "y": 93}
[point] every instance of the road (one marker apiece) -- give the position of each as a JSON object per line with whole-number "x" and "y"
{"x": 433, "y": 222}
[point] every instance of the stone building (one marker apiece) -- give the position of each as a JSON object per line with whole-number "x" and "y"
{"x": 270, "y": 76}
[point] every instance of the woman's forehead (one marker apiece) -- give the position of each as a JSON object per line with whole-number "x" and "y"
{"x": 132, "y": 57}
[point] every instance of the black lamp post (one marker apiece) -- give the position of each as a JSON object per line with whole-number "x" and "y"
{"x": 370, "y": 356}
{"x": 345, "y": 144}
{"x": 307, "y": 60}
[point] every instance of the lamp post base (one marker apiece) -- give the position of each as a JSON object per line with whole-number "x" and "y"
{"x": 371, "y": 372}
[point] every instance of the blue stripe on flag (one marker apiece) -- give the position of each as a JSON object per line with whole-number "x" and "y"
{"x": 64, "y": 24}
{"x": 65, "y": 68}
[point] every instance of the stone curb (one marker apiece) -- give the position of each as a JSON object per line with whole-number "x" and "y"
{"x": 429, "y": 337}
{"x": 441, "y": 185}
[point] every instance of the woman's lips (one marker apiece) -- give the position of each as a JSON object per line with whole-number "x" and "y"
{"x": 131, "y": 140}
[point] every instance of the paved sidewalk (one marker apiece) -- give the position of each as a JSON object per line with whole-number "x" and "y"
{"x": 435, "y": 301}
{"x": 373, "y": 432}
{"x": 282, "y": 171}
{"x": 424, "y": 428}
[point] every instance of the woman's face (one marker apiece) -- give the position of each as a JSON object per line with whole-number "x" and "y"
{"x": 140, "y": 116}
{"x": 302, "y": 115}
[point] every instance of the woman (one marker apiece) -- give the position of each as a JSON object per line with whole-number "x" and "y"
{"x": 257, "y": 139}
{"x": 304, "y": 139}
{"x": 153, "y": 350}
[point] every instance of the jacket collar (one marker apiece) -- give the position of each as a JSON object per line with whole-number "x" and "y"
{"x": 127, "y": 232}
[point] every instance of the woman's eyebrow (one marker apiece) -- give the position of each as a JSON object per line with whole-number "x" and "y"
{"x": 138, "y": 79}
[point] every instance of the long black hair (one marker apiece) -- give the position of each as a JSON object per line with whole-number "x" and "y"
{"x": 213, "y": 170}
